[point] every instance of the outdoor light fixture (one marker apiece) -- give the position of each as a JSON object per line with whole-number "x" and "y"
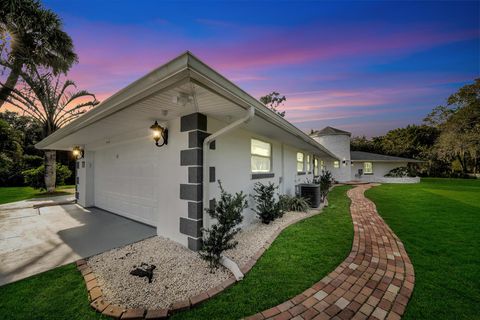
{"x": 77, "y": 152}
{"x": 159, "y": 132}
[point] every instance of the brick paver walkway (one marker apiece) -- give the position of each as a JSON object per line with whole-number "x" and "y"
{"x": 375, "y": 281}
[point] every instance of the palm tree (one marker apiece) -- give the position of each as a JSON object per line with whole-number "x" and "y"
{"x": 31, "y": 36}
{"x": 49, "y": 101}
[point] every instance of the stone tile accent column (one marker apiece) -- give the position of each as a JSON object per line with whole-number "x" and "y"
{"x": 192, "y": 158}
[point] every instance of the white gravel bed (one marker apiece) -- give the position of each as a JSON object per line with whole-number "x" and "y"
{"x": 254, "y": 236}
{"x": 179, "y": 274}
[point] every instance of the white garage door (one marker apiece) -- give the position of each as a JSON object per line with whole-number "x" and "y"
{"x": 126, "y": 182}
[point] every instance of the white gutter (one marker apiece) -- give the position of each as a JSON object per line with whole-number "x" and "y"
{"x": 229, "y": 264}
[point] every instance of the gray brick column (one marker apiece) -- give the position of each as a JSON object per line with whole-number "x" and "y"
{"x": 196, "y": 126}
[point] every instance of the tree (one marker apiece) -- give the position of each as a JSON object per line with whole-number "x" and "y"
{"x": 460, "y": 127}
{"x": 367, "y": 145}
{"x": 30, "y": 130}
{"x": 10, "y": 154}
{"x": 273, "y": 101}
{"x": 47, "y": 99}
{"x": 31, "y": 36}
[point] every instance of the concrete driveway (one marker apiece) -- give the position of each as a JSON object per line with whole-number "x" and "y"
{"x": 37, "y": 240}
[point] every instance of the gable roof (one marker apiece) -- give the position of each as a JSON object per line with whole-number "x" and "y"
{"x": 185, "y": 67}
{"x": 375, "y": 157}
{"x": 330, "y": 131}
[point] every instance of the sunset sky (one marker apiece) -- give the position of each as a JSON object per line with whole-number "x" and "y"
{"x": 365, "y": 67}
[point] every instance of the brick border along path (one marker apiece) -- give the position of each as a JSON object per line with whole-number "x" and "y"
{"x": 375, "y": 281}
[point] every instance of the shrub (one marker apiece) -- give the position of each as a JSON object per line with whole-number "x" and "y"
{"x": 299, "y": 204}
{"x": 284, "y": 202}
{"x": 267, "y": 208}
{"x": 400, "y": 172}
{"x": 325, "y": 181}
{"x": 35, "y": 178}
{"x": 289, "y": 203}
{"x": 218, "y": 238}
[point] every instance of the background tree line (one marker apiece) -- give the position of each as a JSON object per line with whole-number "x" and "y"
{"x": 448, "y": 139}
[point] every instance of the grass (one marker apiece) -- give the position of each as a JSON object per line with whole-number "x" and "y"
{"x": 438, "y": 220}
{"x": 300, "y": 256}
{"x": 12, "y": 194}
{"x": 56, "y": 294}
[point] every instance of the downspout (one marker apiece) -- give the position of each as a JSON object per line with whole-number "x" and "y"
{"x": 229, "y": 264}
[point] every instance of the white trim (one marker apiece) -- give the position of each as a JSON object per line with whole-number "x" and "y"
{"x": 183, "y": 68}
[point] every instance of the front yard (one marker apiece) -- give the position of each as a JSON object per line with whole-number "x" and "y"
{"x": 438, "y": 220}
{"x": 11, "y": 194}
{"x": 301, "y": 255}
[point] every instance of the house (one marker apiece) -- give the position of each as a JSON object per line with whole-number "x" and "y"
{"x": 357, "y": 165}
{"x": 216, "y": 131}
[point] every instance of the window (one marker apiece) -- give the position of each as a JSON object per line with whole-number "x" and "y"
{"x": 308, "y": 163}
{"x": 367, "y": 168}
{"x": 322, "y": 165}
{"x": 261, "y": 153}
{"x": 336, "y": 164}
{"x": 300, "y": 162}
{"x": 315, "y": 167}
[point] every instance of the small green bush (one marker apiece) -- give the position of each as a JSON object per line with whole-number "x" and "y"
{"x": 299, "y": 204}
{"x": 400, "y": 172}
{"x": 289, "y": 203}
{"x": 325, "y": 180}
{"x": 35, "y": 178}
{"x": 267, "y": 207}
{"x": 218, "y": 238}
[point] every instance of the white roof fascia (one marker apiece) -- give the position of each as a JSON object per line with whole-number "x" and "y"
{"x": 184, "y": 67}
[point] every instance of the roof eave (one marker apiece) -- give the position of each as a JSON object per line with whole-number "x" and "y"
{"x": 185, "y": 66}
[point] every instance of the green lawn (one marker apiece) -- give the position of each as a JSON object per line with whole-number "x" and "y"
{"x": 438, "y": 220}
{"x": 11, "y": 194}
{"x": 56, "y": 294}
{"x": 301, "y": 255}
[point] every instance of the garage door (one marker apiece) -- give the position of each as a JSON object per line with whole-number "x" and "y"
{"x": 126, "y": 182}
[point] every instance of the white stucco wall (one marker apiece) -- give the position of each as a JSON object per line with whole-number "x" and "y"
{"x": 339, "y": 145}
{"x": 150, "y": 177}
{"x": 231, "y": 160}
{"x": 380, "y": 169}
{"x": 138, "y": 180}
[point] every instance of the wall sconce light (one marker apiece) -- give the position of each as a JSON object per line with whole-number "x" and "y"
{"x": 77, "y": 152}
{"x": 159, "y": 132}
{"x": 344, "y": 162}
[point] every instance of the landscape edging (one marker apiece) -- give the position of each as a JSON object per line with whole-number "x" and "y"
{"x": 99, "y": 304}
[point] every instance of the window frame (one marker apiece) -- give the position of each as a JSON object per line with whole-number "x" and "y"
{"x": 303, "y": 162}
{"x": 261, "y": 156}
{"x": 308, "y": 166}
{"x": 371, "y": 167}
{"x": 316, "y": 171}
{"x": 336, "y": 164}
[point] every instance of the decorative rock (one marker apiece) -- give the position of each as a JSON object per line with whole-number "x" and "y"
{"x": 123, "y": 259}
